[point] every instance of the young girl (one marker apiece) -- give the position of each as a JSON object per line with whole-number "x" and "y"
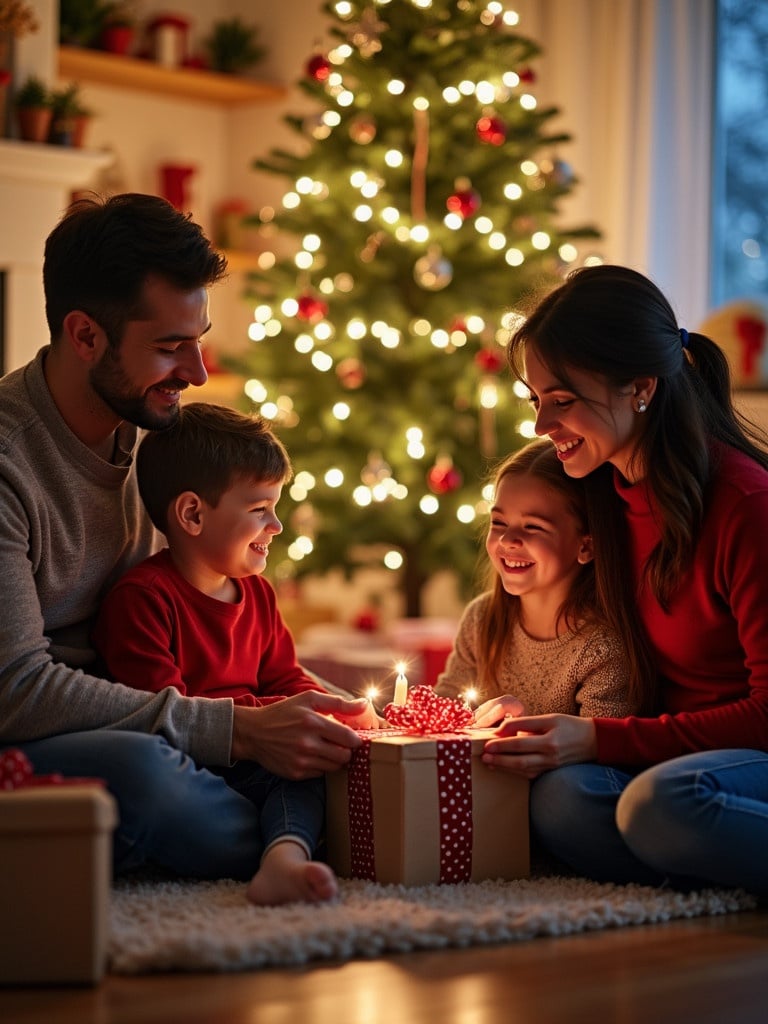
{"x": 535, "y": 642}
{"x": 678, "y": 491}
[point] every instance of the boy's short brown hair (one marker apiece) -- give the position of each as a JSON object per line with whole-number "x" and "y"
{"x": 205, "y": 450}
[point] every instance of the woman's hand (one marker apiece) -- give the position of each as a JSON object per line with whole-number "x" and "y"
{"x": 495, "y": 710}
{"x": 530, "y": 746}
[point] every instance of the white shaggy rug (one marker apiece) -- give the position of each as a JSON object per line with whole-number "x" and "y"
{"x": 209, "y": 926}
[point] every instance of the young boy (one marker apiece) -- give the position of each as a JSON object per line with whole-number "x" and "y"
{"x": 198, "y": 616}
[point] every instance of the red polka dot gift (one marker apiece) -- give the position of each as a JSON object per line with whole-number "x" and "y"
{"x": 417, "y": 806}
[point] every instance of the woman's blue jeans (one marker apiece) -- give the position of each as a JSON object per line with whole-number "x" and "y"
{"x": 698, "y": 819}
{"x": 178, "y": 816}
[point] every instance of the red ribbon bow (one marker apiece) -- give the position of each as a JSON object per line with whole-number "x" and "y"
{"x": 426, "y": 712}
{"x": 16, "y": 772}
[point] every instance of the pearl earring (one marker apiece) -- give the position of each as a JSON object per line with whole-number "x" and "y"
{"x": 641, "y": 406}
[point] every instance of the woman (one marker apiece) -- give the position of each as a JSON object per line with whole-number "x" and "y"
{"x": 678, "y": 490}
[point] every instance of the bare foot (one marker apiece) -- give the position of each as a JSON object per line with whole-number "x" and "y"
{"x": 287, "y": 876}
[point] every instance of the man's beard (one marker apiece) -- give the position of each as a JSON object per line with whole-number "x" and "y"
{"x": 113, "y": 387}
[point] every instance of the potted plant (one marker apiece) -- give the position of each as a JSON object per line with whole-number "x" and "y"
{"x": 232, "y": 46}
{"x": 69, "y": 117}
{"x": 81, "y": 21}
{"x": 17, "y": 19}
{"x": 32, "y": 101}
{"x": 119, "y": 29}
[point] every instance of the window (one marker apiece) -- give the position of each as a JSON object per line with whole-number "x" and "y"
{"x": 740, "y": 180}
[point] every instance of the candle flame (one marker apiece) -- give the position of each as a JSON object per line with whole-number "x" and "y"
{"x": 400, "y": 667}
{"x": 470, "y": 695}
{"x": 372, "y": 693}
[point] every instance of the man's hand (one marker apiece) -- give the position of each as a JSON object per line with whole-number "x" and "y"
{"x": 299, "y": 737}
{"x": 530, "y": 746}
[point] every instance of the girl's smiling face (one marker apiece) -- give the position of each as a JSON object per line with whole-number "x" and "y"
{"x": 535, "y": 541}
{"x": 589, "y": 420}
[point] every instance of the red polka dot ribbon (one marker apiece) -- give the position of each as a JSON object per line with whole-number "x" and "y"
{"x": 454, "y": 780}
{"x": 360, "y": 802}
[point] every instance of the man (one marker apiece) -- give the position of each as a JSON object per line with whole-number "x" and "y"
{"x": 126, "y": 283}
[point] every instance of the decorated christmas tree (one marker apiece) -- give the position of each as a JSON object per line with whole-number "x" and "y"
{"x": 421, "y": 210}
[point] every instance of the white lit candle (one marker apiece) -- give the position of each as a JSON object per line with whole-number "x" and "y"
{"x": 401, "y": 685}
{"x": 372, "y": 693}
{"x": 470, "y": 696}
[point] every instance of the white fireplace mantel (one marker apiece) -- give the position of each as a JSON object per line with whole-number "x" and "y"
{"x": 36, "y": 184}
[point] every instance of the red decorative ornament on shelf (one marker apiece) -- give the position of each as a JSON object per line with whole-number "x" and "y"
{"x": 527, "y": 75}
{"x": 426, "y": 712}
{"x": 311, "y": 309}
{"x": 444, "y": 477}
{"x": 491, "y": 130}
{"x": 464, "y": 201}
{"x": 488, "y": 360}
{"x": 318, "y": 67}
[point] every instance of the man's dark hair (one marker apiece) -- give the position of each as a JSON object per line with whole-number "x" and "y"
{"x": 101, "y": 252}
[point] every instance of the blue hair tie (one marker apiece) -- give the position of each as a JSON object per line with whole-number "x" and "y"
{"x": 684, "y": 337}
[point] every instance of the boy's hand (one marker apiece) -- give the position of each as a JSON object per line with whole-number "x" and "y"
{"x": 359, "y": 717}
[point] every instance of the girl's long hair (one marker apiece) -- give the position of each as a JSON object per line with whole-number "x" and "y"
{"x": 615, "y": 323}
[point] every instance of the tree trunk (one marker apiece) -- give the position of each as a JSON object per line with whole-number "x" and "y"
{"x": 413, "y": 582}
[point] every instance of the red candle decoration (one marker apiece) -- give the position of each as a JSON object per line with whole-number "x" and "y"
{"x": 311, "y": 308}
{"x": 174, "y": 188}
{"x": 318, "y": 67}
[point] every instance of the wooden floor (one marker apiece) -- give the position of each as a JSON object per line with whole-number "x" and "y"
{"x": 704, "y": 971}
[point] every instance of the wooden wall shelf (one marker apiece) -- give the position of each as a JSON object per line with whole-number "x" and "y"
{"x": 241, "y": 259}
{"x": 83, "y": 65}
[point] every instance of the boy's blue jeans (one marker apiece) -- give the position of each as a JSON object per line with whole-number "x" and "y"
{"x": 178, "y": 816}
{"x": 698, "y": 819}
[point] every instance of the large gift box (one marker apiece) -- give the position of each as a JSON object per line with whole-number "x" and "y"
{"x": 416, "y": 810}
{"x": 55, "y": 877}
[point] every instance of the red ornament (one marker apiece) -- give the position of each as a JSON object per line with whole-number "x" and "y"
{"x": 465, "y": 202}
{"x": 318, "y": 67}
{"x": 488, "y": 360}
{"x": 491, "y": 129}
{"x": 444, "y": 477}
{"x": 527, "y": 75}
{"x": 311, "y": 308}
{"x": 367, "y": 621}
{"x": 351, "y": 373}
